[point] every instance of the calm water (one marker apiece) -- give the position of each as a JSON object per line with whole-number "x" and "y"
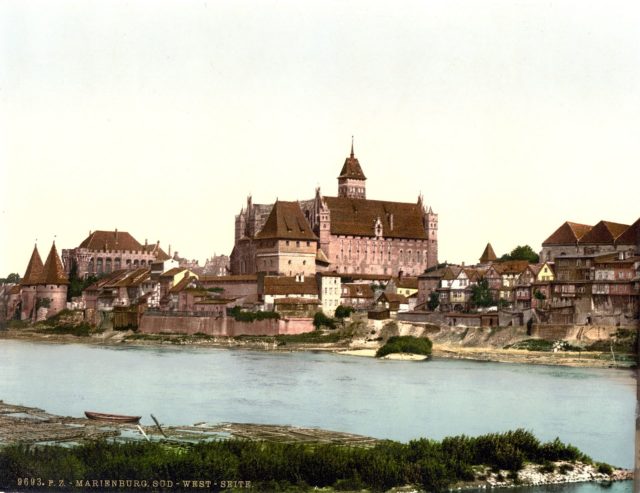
{"x": 593, "y": 409}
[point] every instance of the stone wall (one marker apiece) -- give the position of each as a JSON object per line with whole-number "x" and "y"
{"x": 223, "y": 327}
{"x": 573, "y": 332}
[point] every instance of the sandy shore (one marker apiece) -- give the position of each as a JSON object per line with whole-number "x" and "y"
{"x": 353, "y": 348}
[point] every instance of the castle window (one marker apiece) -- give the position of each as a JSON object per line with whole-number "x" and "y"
{"x": 297, "y": 243}
{"x": 308, "y": 243}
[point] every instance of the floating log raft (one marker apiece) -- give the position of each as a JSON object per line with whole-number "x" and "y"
{"x": 30, "y": 425}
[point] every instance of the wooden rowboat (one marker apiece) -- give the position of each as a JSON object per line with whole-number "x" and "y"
{"x": 114, "y": 418}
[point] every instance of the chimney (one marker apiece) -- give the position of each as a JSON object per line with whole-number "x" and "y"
{"x": 390, "y": 217}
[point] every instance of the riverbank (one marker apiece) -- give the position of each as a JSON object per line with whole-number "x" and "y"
{"x": 348, "y": 346}
{"x": 306, "y": 458}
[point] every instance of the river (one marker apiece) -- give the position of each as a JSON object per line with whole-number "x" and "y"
{"x": 591, "y": 408}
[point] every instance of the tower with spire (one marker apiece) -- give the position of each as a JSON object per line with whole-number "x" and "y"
{"x": 351, "y": 182}
{"x": 43, "y": 289}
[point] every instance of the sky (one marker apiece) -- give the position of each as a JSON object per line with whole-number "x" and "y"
{"x": 160, "y": 117}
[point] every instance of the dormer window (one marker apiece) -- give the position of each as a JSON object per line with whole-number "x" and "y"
{"x": 377, "y": 228}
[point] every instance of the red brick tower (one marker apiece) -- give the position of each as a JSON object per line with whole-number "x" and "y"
{"x": 28, "y": 285}
{"x": 52, "y": 288}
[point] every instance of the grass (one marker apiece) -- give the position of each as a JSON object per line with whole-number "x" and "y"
{"x": 405, "y": 344}
{"x": 271, "y": 466}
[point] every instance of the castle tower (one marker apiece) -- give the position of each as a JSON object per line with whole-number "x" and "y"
{"x": 351, "y": 182}
{"x": 52, "y": 288}
{"x": 431, "y": 228}
{"x": 324, "y": 224}
{"x": 488, "y": 255}
{"x": 29, "y": 283}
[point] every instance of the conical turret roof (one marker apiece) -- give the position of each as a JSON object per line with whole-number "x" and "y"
{"x": 53, "y": 271}
{"x": 488, "y": 255}
{"x": 33, "y": 274}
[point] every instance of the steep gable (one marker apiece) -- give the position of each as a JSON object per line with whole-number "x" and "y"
{"x": 488, "y": 255}
{"x": 567, "y": 234}
{"x": 604, "y": 232}
{"x": 286, "y": 221}
{"x": 631, "y": 236}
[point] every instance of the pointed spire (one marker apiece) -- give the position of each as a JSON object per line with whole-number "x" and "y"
{"x": 33, "y": 273}
{"x": 488, "y": 255}
{"x": 352, "y": 154}
{"x": 53, "y": 270}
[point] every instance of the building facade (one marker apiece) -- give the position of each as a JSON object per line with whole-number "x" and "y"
{"x": 354, "y": 235}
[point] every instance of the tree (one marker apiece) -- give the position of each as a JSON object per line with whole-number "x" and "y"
{"x": 481, "y": 294}
{"x": 522, "y": 252}
{"x": 434, "y": 301}
{"x": 13, "y": 278}
{"x": 320, "y": 320}
{"x": 539, "y": 295}
{"x": 343, "y": 311}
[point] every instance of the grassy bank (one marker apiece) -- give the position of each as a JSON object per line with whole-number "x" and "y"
{"x": 405, "y": 344}
{"x": 428, "y": 464}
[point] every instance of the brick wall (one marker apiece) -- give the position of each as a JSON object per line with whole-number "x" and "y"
{"x": 223, "y": 327}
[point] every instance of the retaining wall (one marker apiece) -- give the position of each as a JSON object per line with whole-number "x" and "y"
{"x": 223, "y": 327}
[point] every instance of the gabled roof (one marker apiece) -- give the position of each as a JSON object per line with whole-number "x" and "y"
{"x": 111, "y": 240}
{"x": 53, "y": 270}
{"x": 631, "y": 236}
{"x": 488, "y": 255}
{"x": 357, "y": 290}
{"x": 393, "y": 297}
{"x": 173, "y": 272}
{"x": 351, "y": 168}
{"x": 512, "y": 267}
{"x": 604, "y": 232}
{"x": 357, "y": 217}
{"x": 567, "y": 234}
{"x": 407, "y": 282}
{"x": 183, "y": 284}
{"x": 286, "y": 221}
{"x": 134, "y": 278}
{"x": 285, "y": 285}
{"x": 33, "y": 273}
{"x": 451, "y": 273}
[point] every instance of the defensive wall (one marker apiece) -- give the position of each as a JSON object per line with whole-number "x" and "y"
{"x": 223, "y": 326}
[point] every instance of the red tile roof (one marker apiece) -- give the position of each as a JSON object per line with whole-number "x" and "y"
{"x": 355, "y": 290}
{"x": 488, "y": 255}
{"x": 233, "y": 278}
{"x": 407, "y": 282}
{"x": 111, "y": 240}
{"x": 604, "y": 232}
{"x": 285, "y": 285}
{"x": 357, "y": 217}
{"x": 631, "y": 236}
{"x": 33, "y": 273}
{"x": 351, "y": 168}
{"x": 567, "y": 234}
{"x": 53, "y": 270}
{"x": 134, "y": 278}
{"x": 286, "y": 221}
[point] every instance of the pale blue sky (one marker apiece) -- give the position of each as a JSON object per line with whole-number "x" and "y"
{"x": 159, "y": 117}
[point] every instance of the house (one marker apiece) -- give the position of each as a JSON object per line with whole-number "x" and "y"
{"x": 330, "y": 291}
{"x": 393, "y": 302}
{"x": 357, "y": 295}
{"x": 299, "y": 287}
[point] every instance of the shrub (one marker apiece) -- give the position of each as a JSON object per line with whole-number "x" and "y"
{"x": 604, "y": 468}
{"x": 343, "y": 311}
{"x": 405, "y": 344}
{"x": 321, "y": 320}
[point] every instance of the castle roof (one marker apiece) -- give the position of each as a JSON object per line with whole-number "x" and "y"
{"x": 567, "y": 234}
{"x": 631, "y": 236}
{"x": 357, "y": 290}
{"x": 286, "y": 221}
{"x": 53, "y": 271}
{"x": 351, "y": 168}
{"x": 604, "y": 232}
{"x": 488, "y": 255}
{"x": 33, "y": 273}
{"x": 357, "y": 217}
{"x": 111, "y": 240}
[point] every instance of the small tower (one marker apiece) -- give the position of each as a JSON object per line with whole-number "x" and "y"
{"x": 351, "y": 182}
{"x": 29, "y": 285}
{"x": 488, "y": 255}
{"x": 431, "y": 228}
{"x": 324, "y": 224}
{"x": 52, "y": 288}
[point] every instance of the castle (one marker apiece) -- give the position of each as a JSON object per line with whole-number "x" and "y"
{"x": 42, "y": 292}
{"x": 348, "y": 234}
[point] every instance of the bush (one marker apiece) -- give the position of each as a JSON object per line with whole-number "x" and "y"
{"x": 343, "y": 311}
{"x": 405, "y": 344}
{"x": 244, "y": 316}
{"x": 604, "y": 468}
{"x": 321, "y": 320}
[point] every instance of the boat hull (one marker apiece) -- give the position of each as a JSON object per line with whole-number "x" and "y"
{"x": 113, "y": 418}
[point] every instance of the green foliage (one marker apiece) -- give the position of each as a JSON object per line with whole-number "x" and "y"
{"x": 405, "y": 344}
{"x": 434, "y": 301}
{"x": 13, "y": 278}
{"x": 434, "y": 466}
{"x": 79, "y": 330}
{"x": 314, "y": 337}
{"x": 215, "y": 290}
{"x": 539, "y": 295}
{"x": 604, "y": 468}
{"x": 43, "y": 303}
{"x": 321, "y": 320}
{"x": 343, "y": 311}
{"x": 522, "y": 252}
{"x": 244, "y": 316}
{"x": 481, "y": 294}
